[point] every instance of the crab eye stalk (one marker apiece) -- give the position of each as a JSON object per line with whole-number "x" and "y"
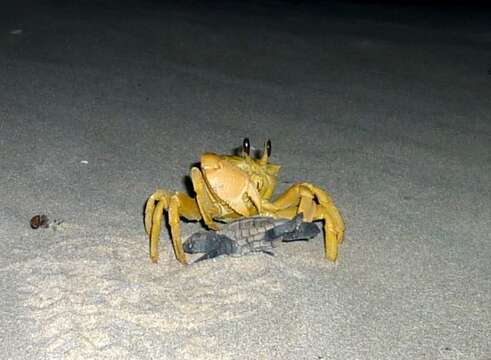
{"x": 266, "y": 153}
{"x": 246, "y": 146}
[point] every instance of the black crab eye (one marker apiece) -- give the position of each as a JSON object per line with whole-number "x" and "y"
{"x": 268, "y": 147}
{"x": 246, "y": 146}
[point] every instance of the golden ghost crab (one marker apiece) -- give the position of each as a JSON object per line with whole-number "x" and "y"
{"x": 228, "y": 187}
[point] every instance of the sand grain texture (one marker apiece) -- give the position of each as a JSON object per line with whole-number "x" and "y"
{"x": 103, "y": 102}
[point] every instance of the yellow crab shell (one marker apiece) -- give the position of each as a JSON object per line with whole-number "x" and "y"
{"x": 239, "y": 182}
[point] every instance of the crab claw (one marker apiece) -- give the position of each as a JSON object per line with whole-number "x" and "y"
{"x": 210, "y": 162}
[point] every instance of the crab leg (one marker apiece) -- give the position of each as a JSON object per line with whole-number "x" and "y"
{"x": 159, "y": 195}
{"x": 331, "y": 235}
{"x": 301, "y": 198}
{"x": 175, "y": 229}
{"x": 330, "y": 211}
{"x": 177, "y": 205}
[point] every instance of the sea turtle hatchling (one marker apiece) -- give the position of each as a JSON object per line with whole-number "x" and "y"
{"x": 248, "y": 235}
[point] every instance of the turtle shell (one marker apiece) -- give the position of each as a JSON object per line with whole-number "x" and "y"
{"x": 255, "y": 228}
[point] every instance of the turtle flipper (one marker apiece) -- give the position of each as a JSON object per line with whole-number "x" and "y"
{"x": 209, "y": 255}
{"x": 305, "y": 231}
{"x": 210, "y": 243}
{"x": 288, "y": 226}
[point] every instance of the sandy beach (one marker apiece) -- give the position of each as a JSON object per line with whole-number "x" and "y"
{"x": 386, "y": 108}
